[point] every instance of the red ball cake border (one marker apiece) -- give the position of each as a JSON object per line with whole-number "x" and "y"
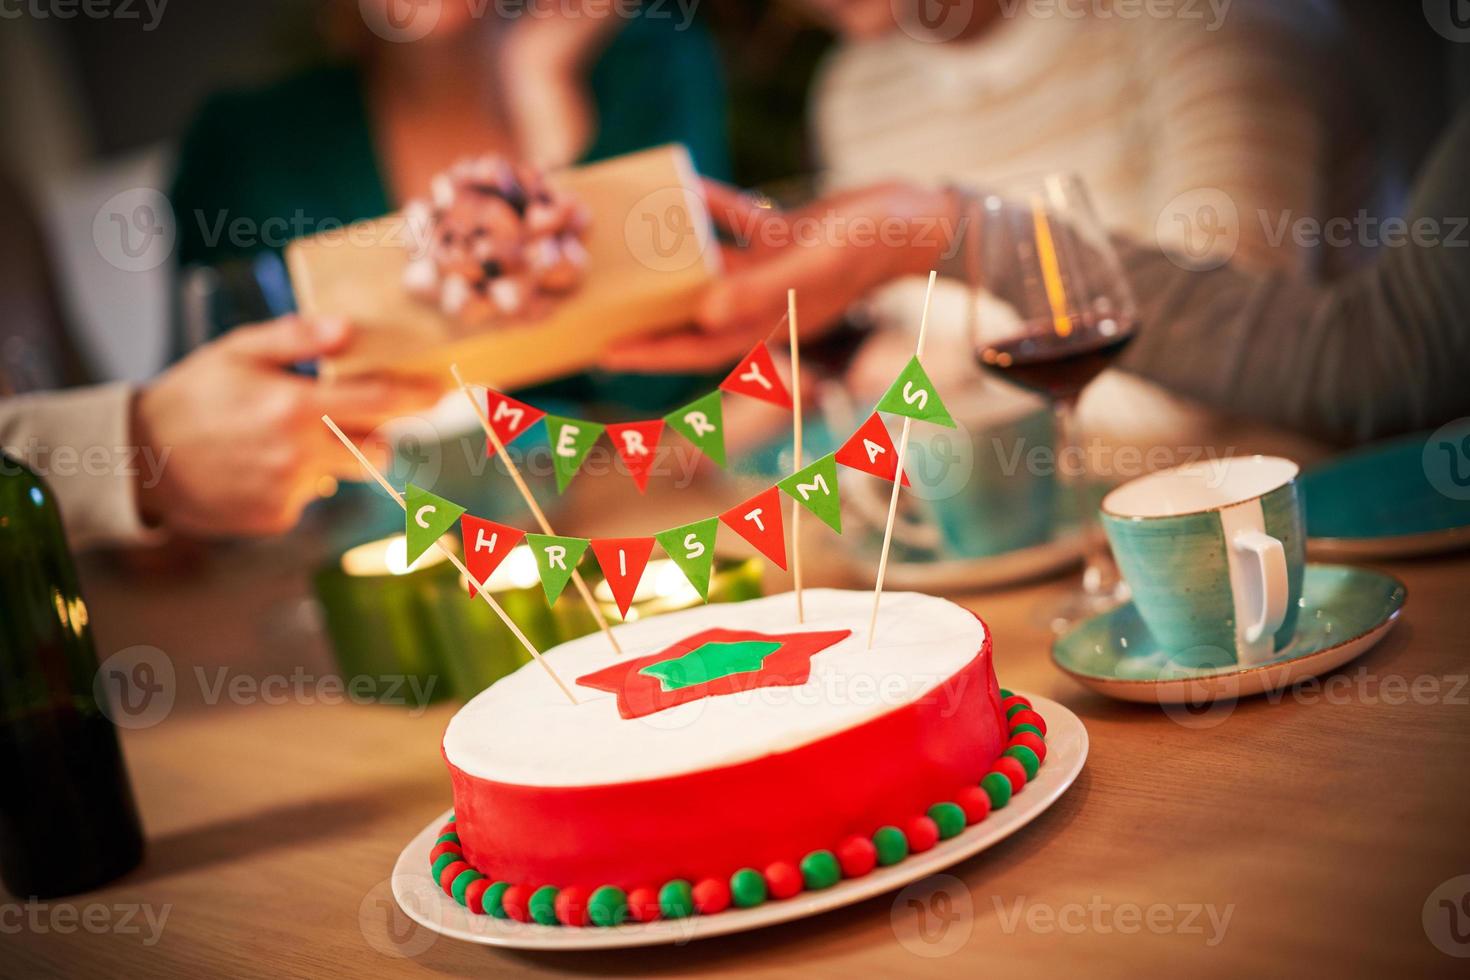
{"x": 851, "y": 857}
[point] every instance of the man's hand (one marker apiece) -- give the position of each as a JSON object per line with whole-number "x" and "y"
{"x": 832, "y": 252}
{"x": 243, "y": 437}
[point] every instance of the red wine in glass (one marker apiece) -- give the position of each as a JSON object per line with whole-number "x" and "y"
{"x": 1056, "y": 365}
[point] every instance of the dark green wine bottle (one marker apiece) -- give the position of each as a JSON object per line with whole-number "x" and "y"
{"x": 67, "y": 818}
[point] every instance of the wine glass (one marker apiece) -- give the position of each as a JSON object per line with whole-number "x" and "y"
{"x": 1058, "y": 310}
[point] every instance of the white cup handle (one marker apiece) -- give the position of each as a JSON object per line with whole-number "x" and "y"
{"x": 1267, "y": 583}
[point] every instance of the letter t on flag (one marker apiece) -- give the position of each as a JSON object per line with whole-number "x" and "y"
{"x": 758, "y": 521}
{"x": 486, "y": 544}
{"x": 622, "y": 561}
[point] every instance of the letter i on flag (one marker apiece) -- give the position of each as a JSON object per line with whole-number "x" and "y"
{"x": 637, "y": 444}
{"x": 870, "y": 449}
{"x": 758, "y": 521}
{"x": 556, "y": 559}
{"x": 486, "y": 544}
{"x": 756, "y": 376}
{"x": 914, "y": 395}
{"x": 426, "y": 517}
{"x": 622, "y": 561}
{"x": 692, "y": 547}
{"x": 509, "y": 418}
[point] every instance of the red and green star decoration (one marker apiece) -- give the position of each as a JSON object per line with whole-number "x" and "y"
{"x": 709, "y": 663}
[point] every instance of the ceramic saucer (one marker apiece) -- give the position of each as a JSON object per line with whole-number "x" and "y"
{"x": 1344, "y": 612}
{"x": 1379, "y": 502}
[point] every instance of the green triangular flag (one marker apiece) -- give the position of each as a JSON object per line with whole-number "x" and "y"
{"x": 815, "y": 488}
{"x": 693, "y": 549}
{"x": 556, "y": 559}
{"x": 426, "y": 517}
{"x": 703, "y": 423}
{"x": 914, "y": 395}
{"x": 571, "y": 440}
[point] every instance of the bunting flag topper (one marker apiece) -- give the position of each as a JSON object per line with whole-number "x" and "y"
{"x": 691, "y": 546}
{"x": 701, "y": 422}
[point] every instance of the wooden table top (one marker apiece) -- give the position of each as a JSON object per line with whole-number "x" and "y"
{"x": 1302, "y": 835}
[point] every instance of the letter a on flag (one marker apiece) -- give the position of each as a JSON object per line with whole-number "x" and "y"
{"x": 622, "y": 561}
{"x": 913, "y": 394}
{"x": 425, "y": 518}
{"x": 758, "y": 521}
{"x": 756, "y": 376}
{"x": 637, "y": 444}
{"x": 870, "y": 449}
{"x": 556, "y": 560}
{"x": 702, "y": 422}
{"x": 509, "y": 418}
{"x": 486, "y": 544}
{"x": 692, "y": 547}
{"x": 815, "y": 488}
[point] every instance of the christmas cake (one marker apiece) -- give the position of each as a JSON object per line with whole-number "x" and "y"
{"x": 729, "y": 757}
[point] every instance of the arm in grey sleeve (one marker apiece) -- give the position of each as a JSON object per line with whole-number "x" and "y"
{"x": 1380, "y": 352}
{"x": 78, "y": 441}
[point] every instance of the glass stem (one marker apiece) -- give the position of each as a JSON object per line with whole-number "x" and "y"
{"x": 1099, "y": 571}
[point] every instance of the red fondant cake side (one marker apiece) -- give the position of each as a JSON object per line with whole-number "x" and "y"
{"x": 713, "y": 822}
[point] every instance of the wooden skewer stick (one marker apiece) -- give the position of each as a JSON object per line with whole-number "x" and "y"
{"x": 536, "y": 511}
{"x": 454, "y": 559}
{"x": 903, "y": 446}
{"x": 795, "y": 449}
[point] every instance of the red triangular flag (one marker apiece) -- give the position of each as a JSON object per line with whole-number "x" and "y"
{"x": 870, "y": 449}
{"x": 485, "y": 546}
{"x": 757, "y": 377}
{"x": 758, "y": 521}
{"x": 509, "y": 418}
{"x": 622, "y": 561}
{"x": 637, "y": 444}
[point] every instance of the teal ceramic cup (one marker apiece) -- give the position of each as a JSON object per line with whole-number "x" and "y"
{"x": 1213, "y": 553}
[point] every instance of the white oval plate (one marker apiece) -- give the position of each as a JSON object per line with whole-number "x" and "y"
{"x": 424, "y": 902}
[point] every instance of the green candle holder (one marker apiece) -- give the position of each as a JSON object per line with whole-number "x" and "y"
{"x": 387, "y": 621}
{"x": 378, "y": 615}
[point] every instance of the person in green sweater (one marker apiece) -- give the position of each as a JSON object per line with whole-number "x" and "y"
{"x": 359, "y": 137}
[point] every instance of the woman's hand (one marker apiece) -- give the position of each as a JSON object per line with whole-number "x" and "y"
{"x": 832, "y": 252}
{"x": 240, "y": 437}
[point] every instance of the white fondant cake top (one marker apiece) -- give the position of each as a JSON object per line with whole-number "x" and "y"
{"x": 523, "y": 730}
